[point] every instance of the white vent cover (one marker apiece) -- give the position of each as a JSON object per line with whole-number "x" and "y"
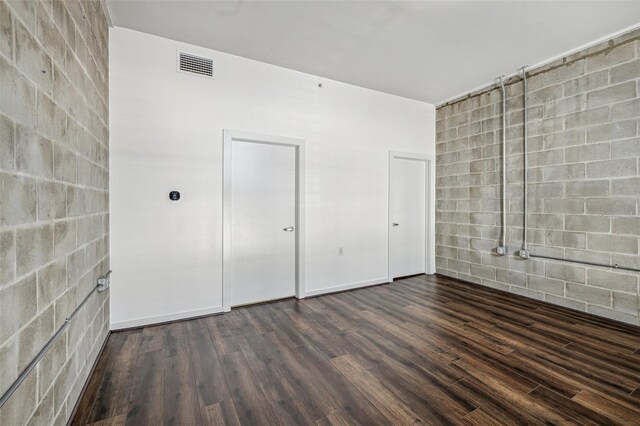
{"x": 193, "y": 64}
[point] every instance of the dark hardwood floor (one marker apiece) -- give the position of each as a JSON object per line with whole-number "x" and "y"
{"x": 422, "y": 350}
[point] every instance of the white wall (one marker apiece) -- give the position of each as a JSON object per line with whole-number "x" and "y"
{"x": 166, "y": 133}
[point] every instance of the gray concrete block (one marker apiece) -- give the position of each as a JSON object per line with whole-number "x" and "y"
{"x": 565, "y": 272}
{"x": 50, "y": 37}
{"x": 613, "y": 243}
{"x": 511, "y": 277}
{"x": 6, "y": 32}
{"x": 78, "y": 202}
{"x": 545, "y": 285}
{"x": 64, "y": 238}
{"x": 34, "y": 336}
{"x": 565, "y": 106}
{"x": 626, "y": 110}
{"x": 589, "y": 118}
{"x": 44, "y": 412}
{"x": 591, "y": 188}
{"x": 592, "y": 152}
{"x": 612, "y": 280}
{"x": 545, "y": 221}
{"x": 483, "y": 271}
{"x": 613, "y": 314}
{"x": 51, "y": 119}
{"x": 18, "y": 195}
{"x": 626, "y": 225}
{"x": 564, "y": 205}
{"x": 611, "y": 94}
{"x": 586, "y": 83}
{"x": 546, "y": 189}
{"x": 566, "y": 239}
{"x": 612, "y": 168}
{"x": 32, "y": 60}
{"x": 17, "y": 305}
{"x": 625, "y": 302}
{"x": 51, "y": 364}
{"x": 567, "y": 72}
{"x": 628, "y": 186}
{"x": 84, "y": 230}
{"x": 625, "y": 72}
{"x": 497, "y": 286}
{"x": 7, "y": 257}
{"x": 583, "y": 183}
{"x": 545, "y": 158}
{"x": 592, "y": 295}
{"x": 567, "y": 303}
{"x": 490, "y": 258}
{"x": 34, "y": 154}
{"x": 528, "y": 293}
{"x": 52, "y": 282}
{"x": 611, "y": 57}
{"x": 8, "y": 364}
{"x": 628, "y": 260}
{"x": 19, "y": 407}
{"x": 612, "y": 206}
{"x": 18, "y": 100}
{"x": 546, "y": 94}
{"x": 612, "y": 131}
{"x": 626, "y": 148}
{"x": 587, "y": 223}
{"x": 530, "y": 266}
{"x": 7, "y": 143}
{"x": 76, "y": 266}
{"x": 34, "y": 247}
{"x": 51, "y": 200}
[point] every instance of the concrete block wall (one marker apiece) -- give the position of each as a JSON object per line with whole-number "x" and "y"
{"x": 584, "y": 182}
{"x": 54, "y": 195}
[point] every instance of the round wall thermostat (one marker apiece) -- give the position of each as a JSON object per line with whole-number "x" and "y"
{"x": 174, "y": 195}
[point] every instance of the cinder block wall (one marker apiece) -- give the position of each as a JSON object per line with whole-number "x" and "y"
{"x": 584, "y": 191}
{"x": 53, "y": 200}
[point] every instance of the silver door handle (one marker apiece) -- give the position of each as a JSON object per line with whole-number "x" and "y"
{"x": 289, "y": 229}
{"x": 395, "y": 224}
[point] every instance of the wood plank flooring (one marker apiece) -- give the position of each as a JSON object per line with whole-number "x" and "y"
{"x": 425, "y": 349}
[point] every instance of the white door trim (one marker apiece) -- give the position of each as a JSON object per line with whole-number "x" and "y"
{"x": 229, "y": 137}
{"x": 430, "y": 197}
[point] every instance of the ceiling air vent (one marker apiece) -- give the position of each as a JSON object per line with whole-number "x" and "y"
{"x": 195, "y": 64}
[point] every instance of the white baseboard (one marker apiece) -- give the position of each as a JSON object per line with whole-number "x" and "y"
{"x": 343, "y": 287}
{"x": 139, "y": 322}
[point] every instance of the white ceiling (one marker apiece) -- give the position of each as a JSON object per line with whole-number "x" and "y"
{"x": 425, "y": 50}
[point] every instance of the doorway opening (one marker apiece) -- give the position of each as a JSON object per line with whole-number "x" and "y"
{"x": 411, "y": 227}
{"x": 263, "y": 218}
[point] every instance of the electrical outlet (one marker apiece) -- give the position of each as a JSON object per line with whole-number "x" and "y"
{"x": 340, "y": 251}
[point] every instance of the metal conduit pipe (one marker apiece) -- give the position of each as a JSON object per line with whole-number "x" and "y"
{"x": 583, "y": 262}
{"x": 502, "y": 246}
{"x": 102, "y": 285}
{"x": 524, "y": 252}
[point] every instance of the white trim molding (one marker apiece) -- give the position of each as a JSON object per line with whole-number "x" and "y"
{"x": 229, "y": 137}
{"x": 430, "y": 208}
{"x": 158, "y": 319}
{"x": 343, "y": 287}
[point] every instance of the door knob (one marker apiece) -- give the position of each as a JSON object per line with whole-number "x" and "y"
{"x": 395, "y": 224}
{"x": 289, "y": 229}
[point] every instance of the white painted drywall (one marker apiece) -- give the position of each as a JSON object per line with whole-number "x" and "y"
{"x": 425, "y": 50}
{"x": 166, "y": 134}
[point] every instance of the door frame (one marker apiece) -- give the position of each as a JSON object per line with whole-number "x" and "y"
{"x": 430, "y": 201}
{"x": 230, "y": 136}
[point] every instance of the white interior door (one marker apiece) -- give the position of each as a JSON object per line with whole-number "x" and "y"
{"x": 263, "y": 220}
{"x": 407, "y": 210}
